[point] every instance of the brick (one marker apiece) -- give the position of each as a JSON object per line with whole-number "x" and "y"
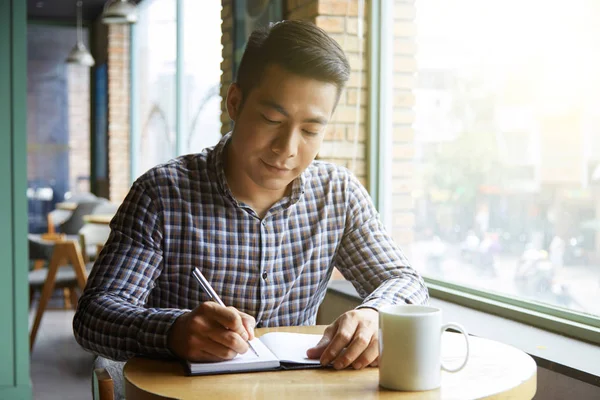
{"x": 331, "y": 24}
{"x": 402, "y": 185}
{"x": 403, "y": 116}
{"x": 357, "y": 79}
{"x": 335, "y": 132}
{"x": 338, "y": 7}
{"x": 357, "y": 63}
{"x": 405, "y": 29}
{"x": 404, "y": 11}
{"x": 405, "y": 81}
{"x": 306, "y": 12}
{"x": 405, "y": 64}
{"x": 358, "y": 166}
{"x": 227, "y": 23}
{"x": 348, "y": 114}
{"x": 352, "y": 96}
{"x": 349, "y": 43}
{"x": 352, "y": 26}
{"x": 226, "y": 38}
{"x": 403, "y": 169}
{"x": 226, "y": 11}
{"x": 341, "y": 149}
{"x": 404, "y": 98}
{"x": 403, "y": 151}
{"x": 402, "y": 202}
{"x": 352, "y": 131}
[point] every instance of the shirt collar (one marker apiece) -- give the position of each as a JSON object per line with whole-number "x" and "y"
{"x": 218, "y": 163}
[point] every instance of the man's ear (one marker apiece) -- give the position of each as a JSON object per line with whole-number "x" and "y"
{"x": 234, "y": 101}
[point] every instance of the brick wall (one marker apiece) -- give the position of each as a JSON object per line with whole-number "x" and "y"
{"x": 78, "y": 83}
{"x": 118, "y": 112}
{"x": 227, "y": 63}
{"x": 404, "y": 70}
{"x": 346, "y": 141}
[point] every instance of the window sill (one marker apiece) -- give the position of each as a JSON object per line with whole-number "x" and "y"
{"x": 567, "y": 356}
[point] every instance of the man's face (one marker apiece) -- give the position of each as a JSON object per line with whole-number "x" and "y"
{"x": 280, "y": 127}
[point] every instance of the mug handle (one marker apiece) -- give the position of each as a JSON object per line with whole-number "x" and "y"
{"x": 464, "y": 332}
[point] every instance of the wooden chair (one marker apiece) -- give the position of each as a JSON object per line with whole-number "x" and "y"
{"x": 66, "y": 268}
{"x": 103, "y": 385}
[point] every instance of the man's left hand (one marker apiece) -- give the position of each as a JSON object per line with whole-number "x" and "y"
{"x": 353, "y": 339}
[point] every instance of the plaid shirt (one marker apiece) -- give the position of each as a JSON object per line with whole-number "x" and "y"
{"x": 182, "y": 215}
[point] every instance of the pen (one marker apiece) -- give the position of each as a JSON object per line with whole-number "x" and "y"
{"x": 213, "y": 295}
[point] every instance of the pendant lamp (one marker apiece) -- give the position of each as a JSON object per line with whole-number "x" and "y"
{"x": 119, "y": 12}
{"x": 80, "y": 54}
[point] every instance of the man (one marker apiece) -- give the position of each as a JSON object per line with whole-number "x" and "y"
{"x": 264, "y": 222}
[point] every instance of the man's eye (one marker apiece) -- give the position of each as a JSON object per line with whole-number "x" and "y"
{"x": 270, "y": 121}
{"x": 310, "y": 133}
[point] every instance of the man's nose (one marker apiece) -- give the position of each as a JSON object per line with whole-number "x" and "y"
{"x": 286, "y": 143}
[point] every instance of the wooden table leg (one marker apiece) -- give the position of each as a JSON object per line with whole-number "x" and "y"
{"x": 75, "y": 257}
{"x": 58, "y": 257}
{"x": 63, "y": 251}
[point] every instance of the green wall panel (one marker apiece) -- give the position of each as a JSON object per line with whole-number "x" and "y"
{"x": 14, "y": 353}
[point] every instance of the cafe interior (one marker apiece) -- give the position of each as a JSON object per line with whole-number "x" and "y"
{"x": 93, "y": 93}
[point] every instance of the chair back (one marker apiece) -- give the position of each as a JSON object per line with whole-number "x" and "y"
{"x": 39, "y": 249}
{"x": 75, "y": 221}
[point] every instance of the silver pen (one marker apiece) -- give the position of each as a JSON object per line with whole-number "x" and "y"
{"x": 208, "y": 289}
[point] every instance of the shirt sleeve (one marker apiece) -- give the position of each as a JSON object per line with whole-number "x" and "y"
{"x": 369, "y": 258}
{"x": 111, "y": 319}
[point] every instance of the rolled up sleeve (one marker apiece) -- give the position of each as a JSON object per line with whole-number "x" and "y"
{"x": 370, "y": 259}
{"x": 111, "y": 319}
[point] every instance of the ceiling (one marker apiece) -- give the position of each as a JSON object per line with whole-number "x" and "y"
{"x": 64, "y": 10}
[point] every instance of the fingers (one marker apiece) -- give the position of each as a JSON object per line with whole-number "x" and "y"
{"x": 354, "y": 341}
{"x": 369, "y": 357}
{"x": 360, "y": 352}
{"x": 317, "y": 351}
{"x": 206, "y": 349}
{"x": 249, "y": 323}
{"x": 228, "y": 340}
{"x": 341, "y": 339}
{"x": 228, "y": 317}
{"x": 211, "y": 332}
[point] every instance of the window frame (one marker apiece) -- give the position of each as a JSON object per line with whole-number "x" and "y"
{"x": 560, "y": 320}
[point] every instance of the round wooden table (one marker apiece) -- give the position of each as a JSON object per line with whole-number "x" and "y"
{"x": 101, "y": 219}
{"x": 494, "y": 371}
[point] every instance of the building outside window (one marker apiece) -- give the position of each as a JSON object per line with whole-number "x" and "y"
{"x": 175, "y": 55}
{"x": 491, "y": 135}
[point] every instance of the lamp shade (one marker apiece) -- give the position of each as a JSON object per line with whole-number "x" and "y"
{"x": 80, "y": 55}
{"x": 119, "y": 12}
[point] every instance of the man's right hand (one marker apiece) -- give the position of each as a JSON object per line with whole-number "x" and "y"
{"x": 211, "y": 332}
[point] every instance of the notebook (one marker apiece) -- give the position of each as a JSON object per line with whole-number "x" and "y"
{"x": 276, "y": 350}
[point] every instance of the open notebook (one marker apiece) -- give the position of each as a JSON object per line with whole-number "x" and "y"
{"x": 276, "y": 350}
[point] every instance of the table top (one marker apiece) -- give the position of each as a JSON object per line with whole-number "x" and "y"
{"x": 102, "y": 219}
{"x": 66, "y": 205}
{"x": 494, "y": 371}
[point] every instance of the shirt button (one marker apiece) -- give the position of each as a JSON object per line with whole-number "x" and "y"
{"x": 264, "y": 275}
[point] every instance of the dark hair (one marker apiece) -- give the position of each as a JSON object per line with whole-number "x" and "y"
{"x": 300, "y": 47}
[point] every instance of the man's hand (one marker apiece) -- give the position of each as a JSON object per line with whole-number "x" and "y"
{"x": 353, "y": 339}
{"x": 211, "y": 332}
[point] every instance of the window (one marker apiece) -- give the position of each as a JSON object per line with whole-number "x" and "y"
{"x": 176, "y": 58}
{"x": 492, "y": 131}
{"x": 201, "y": 75}
{"x": 155, "y": 55}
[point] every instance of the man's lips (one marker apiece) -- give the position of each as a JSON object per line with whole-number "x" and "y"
{"x": 280, "y": 168}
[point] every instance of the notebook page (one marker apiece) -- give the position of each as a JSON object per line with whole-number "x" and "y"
{"x": 291, "y": 347}
{"x": 242, "y": 362}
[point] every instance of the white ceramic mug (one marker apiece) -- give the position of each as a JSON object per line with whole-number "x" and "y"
{"x": 409, "y": 347}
